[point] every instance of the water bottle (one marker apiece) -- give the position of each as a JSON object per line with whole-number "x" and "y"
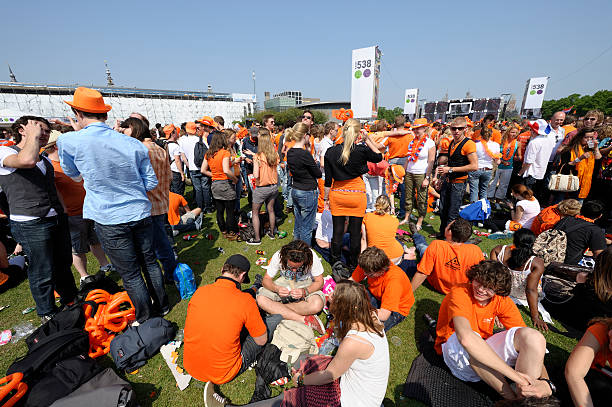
{"x": 430, "y": 321}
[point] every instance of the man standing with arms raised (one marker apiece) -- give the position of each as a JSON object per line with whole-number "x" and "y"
{"x": 462, "y": 158}
{"x": 117, "y": 174}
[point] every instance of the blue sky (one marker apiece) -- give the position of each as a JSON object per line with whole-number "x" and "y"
{"x": 486, "y": 47}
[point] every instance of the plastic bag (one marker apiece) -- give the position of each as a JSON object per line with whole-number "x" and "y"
{"x": 184, "y": 280}
{"x": 22, "y": 330}
{"x": 479, "y": 210}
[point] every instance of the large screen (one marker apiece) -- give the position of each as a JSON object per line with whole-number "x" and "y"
{"x": 461, "y": 108}
{"x": 479, "y": 105}
{"x": 442, "y": 107}
{"x": 430, "y": 107}
{"x": 493, "y": 104}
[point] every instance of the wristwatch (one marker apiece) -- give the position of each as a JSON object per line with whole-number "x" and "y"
{"x": 553, "y": 388}
{"x": 450, "y": 170}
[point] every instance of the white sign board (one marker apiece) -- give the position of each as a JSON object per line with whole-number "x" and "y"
{"x": 410, "y": 101}
{"x": 534, "y": 94}
{"x": 244, "y": 97}
{"x": 365, "y": 81}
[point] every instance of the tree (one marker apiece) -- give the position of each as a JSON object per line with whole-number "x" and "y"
{"x": 601, "y": 100}
{"x": 389, "y": 115}
{"x": 289, "y": 117}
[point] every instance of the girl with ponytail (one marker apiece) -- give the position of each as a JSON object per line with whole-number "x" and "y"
{"x": 526, "y": 270}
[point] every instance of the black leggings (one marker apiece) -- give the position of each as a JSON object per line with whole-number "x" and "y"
{"x": 227, "y": 224}
{"x": 354, "y": 229}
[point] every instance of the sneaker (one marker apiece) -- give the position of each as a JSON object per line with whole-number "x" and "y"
{"x": 46, "y": 318}
{"x": 198, "y": 221}
{"x": 258, "y": 282}
{"x": 413, "y": 228}
{"x": 175, "y": 233}
{"x": 107, "y": 269}
{"x": 165, "y": 312}
{"x": 315, "y": 323}
{"x": 212, "y": 399}
{"x": 253, "y": 242}
{"x": 271, "y": 235}
{"x": 85, "y": 280}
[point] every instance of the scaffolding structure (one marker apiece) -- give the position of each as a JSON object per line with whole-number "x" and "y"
{"x": 159, "y": 106}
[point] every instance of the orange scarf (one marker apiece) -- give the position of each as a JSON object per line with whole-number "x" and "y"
{"x": 585, "y": 171}
{"x": 477, "y": 139}
{"x": 508, "y": 151}
{"x": 585, "y": 218}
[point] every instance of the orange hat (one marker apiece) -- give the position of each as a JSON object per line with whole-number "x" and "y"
{"x": 190, "y": 127}
{"x": 398, "y": 172}
{"x": 169, "y": 129}
{"x": 469, "y": 122}
{"x": 88, "y": 100}
{"x": 207, "y": 121}
{"x": 420, "y": 122}
{"x": 242, "y": 133}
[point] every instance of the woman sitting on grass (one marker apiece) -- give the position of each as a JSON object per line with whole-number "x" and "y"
{"x": 379, "y": 229}
{"x": 361, "y": 362}
{"x": 588, "y": 370}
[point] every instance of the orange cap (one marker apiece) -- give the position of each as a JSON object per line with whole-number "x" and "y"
{"x": 190, "y": 127}
{"x": 207, "y": 121}
{"x": 168, "y": 129}
{"x": 88, "y": 100}
{"x": 420, "y": 122}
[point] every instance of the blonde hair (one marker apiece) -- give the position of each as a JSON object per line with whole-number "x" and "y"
{"x": 265, "y": 147}
{"x": 350, "y": 132}
{"x": 382, "y": 205}
{"x": 263, "y": 133}
{"x": 297, "y": 132}
{"x": 569, "y": 207}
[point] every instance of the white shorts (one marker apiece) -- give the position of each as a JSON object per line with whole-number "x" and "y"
{"x": 458, "y": 360}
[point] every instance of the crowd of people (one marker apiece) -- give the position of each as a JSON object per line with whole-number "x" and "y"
{"x": 119, "y": 192}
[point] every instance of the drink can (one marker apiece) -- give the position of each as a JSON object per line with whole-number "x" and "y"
{"x": 282, "y": 234}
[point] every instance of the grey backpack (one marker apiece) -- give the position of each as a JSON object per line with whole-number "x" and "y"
{"x": 106, "y": 389}
{"x": 136, "y": 345}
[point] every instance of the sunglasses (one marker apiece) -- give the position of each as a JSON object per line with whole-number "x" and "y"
{"x": 307, "y": 117}
{"x": 589, "y": 119}
{"x": 457, "y": 128}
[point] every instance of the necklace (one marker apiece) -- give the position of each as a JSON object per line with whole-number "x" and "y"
{"x": 414, "y": 150}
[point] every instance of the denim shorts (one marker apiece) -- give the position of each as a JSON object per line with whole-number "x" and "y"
{"x": 82, "y": 234}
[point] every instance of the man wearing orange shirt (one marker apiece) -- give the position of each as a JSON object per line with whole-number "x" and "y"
{"x": 215, "y": 349}
{"x": 489, "y": 120}
{"x": 388, "y": 286}
{"x": 180, "y": 217}
{"x": 472, "y": 352}
{"x": 462, "y": 159}
{"x": 445, "y": 262}
{"x": 398, "y": 151}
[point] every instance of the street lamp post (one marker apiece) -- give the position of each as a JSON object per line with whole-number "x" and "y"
{"x": 254, "y": 91}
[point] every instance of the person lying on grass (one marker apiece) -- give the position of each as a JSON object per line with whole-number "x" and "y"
{"x": 389, "y": 288}
{"x": 296, "y": 294}
{"x": 472, "y": 352}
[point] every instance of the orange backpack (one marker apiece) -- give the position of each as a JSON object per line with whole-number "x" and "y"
{"x": 546, "y": 219}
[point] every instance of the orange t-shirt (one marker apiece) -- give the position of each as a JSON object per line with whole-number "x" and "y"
{"x": 569, "y": 128}
{"x": 444, "y": 144}
{"x": 445, "y": 264}
{"x": 286, "y": 147}
{"x": 496, "y": 135}
{"x": 523, "y": 140}
{"x": 72, "y": 192}
{"x": 603, "y": 358}
{"x": 468, "y": 148}
{"x": 212, "y": 336}
{"x": 267, "y": 174}
{"x": 460, "y": 302}
{"x": 380, "y": 232}
{"x": 392, "y": 289}
{"x": 276, "y": 139}
{"x": 398, "y": 145}
{"x": 215, "y": 164}
{"x": 175, "y": 201}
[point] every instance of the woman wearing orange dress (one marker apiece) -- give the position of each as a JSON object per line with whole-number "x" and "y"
{"x": 345, "y": 192}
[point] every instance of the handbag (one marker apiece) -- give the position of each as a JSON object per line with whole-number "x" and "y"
{"x": 563, "y": 182}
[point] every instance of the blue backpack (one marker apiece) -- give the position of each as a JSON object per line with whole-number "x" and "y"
{"x": 477, "y": 211}
{"x": 184, "y": 280}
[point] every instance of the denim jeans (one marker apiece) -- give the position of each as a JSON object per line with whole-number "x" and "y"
{"x": 238, "y": 195}
{"x": 479, "y": 184}
{"x": 401, "y": 189}
{"x": 410, "y": 266}
{"x": 285, "y": 181}
{"x": 305, "y": 210}
{"x": 46, "y": 242}
{"x": 375, "y": 186}
{"x": 129, "y": 247}
{"x": 162, "y": 246}
{"x": 395, "y": 317}
{"x": 201, "y": 190}
{"x": 451, "y": 197}
{"x": 499, "y": 187}
{"x": 177, "y": 185}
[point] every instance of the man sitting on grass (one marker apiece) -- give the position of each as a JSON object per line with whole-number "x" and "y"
{"x": 296, "y": 294}
{"x": 389, "y": 288}
{"x": 445, "y": 261}
{"x": 180, "y": 217}
{"x": 217, "y": 348}
{"x": 470, "y": 350}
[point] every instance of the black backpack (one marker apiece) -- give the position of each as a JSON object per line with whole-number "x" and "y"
{"x": 137, "y": 344}
{"x": 199, "y": 151}
{"x": 105, "y": 389}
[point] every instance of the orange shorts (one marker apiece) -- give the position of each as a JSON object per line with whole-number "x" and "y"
{"x": 348, "y": 198}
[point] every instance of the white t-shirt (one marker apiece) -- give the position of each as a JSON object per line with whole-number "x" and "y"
{"x": 5, "y": 152}
{"x": 325, "y": 143}
{"x": 364, "y": 384}
{"x": 174, "y": 149}
{"x": 275, "y": 267}
{"x": 325, "y": 227}
{"x": 187, "y": 144}
{"x": 484, "y": 160}
{"x": 420, "y": 165}
{"x": 531, "y": 209}
{"x": 537, "y": 154}
{"x": 557, "y": 136}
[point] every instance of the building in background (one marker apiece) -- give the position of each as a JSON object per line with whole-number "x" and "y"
{"x": 326, "y": 107}
{"x": 159, "y": 106}
{"x": 279, "y": 103}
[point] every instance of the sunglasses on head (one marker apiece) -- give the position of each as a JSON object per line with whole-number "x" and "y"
{"x": 453, "y": 128}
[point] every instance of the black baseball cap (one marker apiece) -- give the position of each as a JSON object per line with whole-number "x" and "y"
{"x": 238, "y": 260}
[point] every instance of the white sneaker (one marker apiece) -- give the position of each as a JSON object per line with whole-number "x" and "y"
{"x": 212, "y": 399}
{"x": 198, "y": 221}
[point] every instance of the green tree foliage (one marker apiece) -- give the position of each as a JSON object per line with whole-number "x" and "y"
{"x": 389, "y": 114}
{"x": 601, "y": 100}
{"x": 289, "y": 117}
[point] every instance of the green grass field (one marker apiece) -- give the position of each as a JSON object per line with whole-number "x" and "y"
{"x": 154, "y": 384}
